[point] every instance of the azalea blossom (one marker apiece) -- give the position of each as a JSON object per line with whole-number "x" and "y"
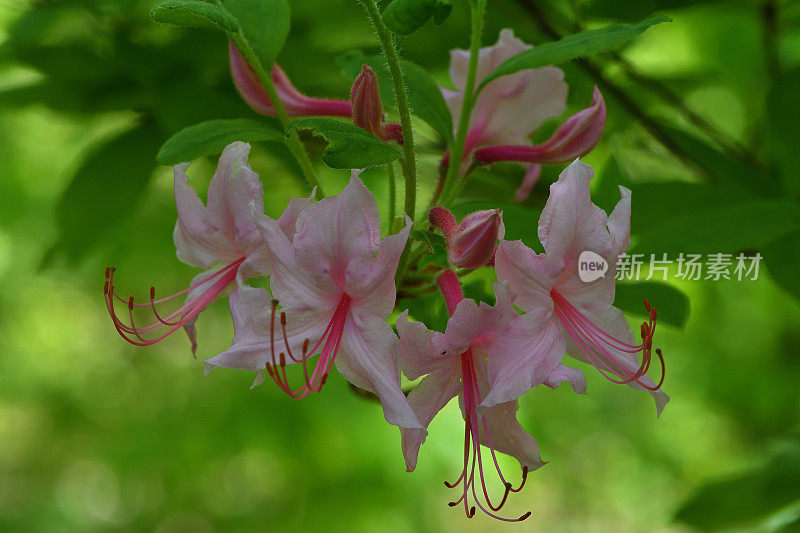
{"x": 334, "y": 281}
{"x": 221, "y": 238}
{"x": 470, "y": 244}
{"x": 509, "y": 109}
{"x": 457, "y": 363}
{"x": 555, "y": 299}
{"x": 294, "y": 102}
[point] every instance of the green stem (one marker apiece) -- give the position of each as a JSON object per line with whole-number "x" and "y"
{"x": 293, "y": 141}
{"x": 409, "y": 163}
{"x": 392, "y": 197}
{"x": 477, "y": 9}
{"x": 459, "y": 185}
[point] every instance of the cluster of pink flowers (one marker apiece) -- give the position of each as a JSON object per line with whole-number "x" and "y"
{"x": 332, "y": 277}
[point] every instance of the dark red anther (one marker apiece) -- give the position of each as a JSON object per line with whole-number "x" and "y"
{"x": 130, "y": 303}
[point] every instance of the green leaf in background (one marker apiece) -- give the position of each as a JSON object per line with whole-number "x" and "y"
{"x": 348, "y": 146}
{"x": 782, "y": 258}
{"x": 727, "y": 229}
{"x": 671, "y": 303}
{"x": 264, "y": 24}
{"x": 571, "y": 47}
{"x": 434, "y": 241}
{"x": 748, "y": 498}
{"x": 407, "y": 16}
{"x": 105, "y": 189}
{"x": 211, "y": 137}
{"x": 193, "y": 14}
{"x": 784, "y": 135}
{"x": 426, "y": 100}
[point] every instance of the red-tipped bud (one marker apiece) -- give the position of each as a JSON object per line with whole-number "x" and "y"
{"x": 574, "y": 138}
{"x": 472, "y": 243}
{"x": 295, "y": 102}
{"x": 365, "y": 98}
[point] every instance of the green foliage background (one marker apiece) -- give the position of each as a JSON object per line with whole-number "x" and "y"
{"x": 96, "y": 435}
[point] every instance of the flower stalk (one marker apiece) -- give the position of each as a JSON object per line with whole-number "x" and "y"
{"x": 409, "y": 163}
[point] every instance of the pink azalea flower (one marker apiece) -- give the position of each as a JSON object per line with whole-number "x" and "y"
{"x": 458, "y": 363}
{"x": 295, "y": 102}
{"x": 509, "y": 108}
{"x": 555, "y": 299}
{"x": 334, "y": 281}
{"x": 220, "y": 238}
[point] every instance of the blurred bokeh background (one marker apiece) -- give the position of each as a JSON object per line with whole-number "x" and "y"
{"x": 96, "y": 435}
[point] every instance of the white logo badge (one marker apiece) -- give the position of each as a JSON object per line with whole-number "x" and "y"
{"x": 591, "y": 266}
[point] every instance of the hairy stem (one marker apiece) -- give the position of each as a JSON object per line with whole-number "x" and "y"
{"x": 477, "y": 9}
{"x": 409, "y": 163}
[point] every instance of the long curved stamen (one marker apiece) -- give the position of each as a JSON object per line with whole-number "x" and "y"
{"x": 472, "y": 453}
{"x": 164, "y": 326}
{"x": 327, "y": 345}
{"x": 599, "y": 347}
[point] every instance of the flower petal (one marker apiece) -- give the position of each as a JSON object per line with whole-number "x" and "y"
{"x": 510, "y": 108}
{"x": 426, "y": 399}
{"x": 292, "y": 285}
{"x": 420, "y": 351}
{"x": 522, "y": 357}
{"x": 507, "y": 435}
{"x": 367, "y": 359}
{"x": 528, "y": 274}
{"x": 197, "y": 239}
{"x": 562, "y": 374}
{"x": 375, "y": 291}
{"x": 250, "y": 310}
{"x": 570, "y": 223}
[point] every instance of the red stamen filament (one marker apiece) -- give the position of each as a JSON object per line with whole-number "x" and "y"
{"x": 472, "y": 451}
{"x": 328, "y": 345}
{"x": 174, "y": 321}
{"x": 598, "y": 345}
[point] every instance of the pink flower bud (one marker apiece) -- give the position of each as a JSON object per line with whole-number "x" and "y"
{"x": 574, "y": 138}
{"x": 365, "y": 99}
{"x": 472, "y": 243}
{"x": 295, "y": 102}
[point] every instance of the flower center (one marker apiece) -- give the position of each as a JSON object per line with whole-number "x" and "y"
{"x": 604, "y": 351}
{"x": 164, "y": 326}
{"x": 327, "y": 345}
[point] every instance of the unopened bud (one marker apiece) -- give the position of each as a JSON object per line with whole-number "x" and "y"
{"x": 472, "y": 243}
{"x": 365, "y": 98}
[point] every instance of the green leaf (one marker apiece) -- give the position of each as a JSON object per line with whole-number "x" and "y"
{"x": 194, "y": 14}
{"x": 435, "y": 242}
{"x": 747, "y": 498}
{"x": 211, "y": 137}
{"x": 105, "y": 189}
{"x": 781, "y": 258}
{"x": 784, "y": 136}
{"x": 425, "y": 98}
{"x": 571, "y": 47}
{"x": 264, "y": 24}
{"x": 726, "y": 229}
{"x": 407, "y": 16}
{"x": 348, "y": 146}
{"x": 671, "y": 303}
